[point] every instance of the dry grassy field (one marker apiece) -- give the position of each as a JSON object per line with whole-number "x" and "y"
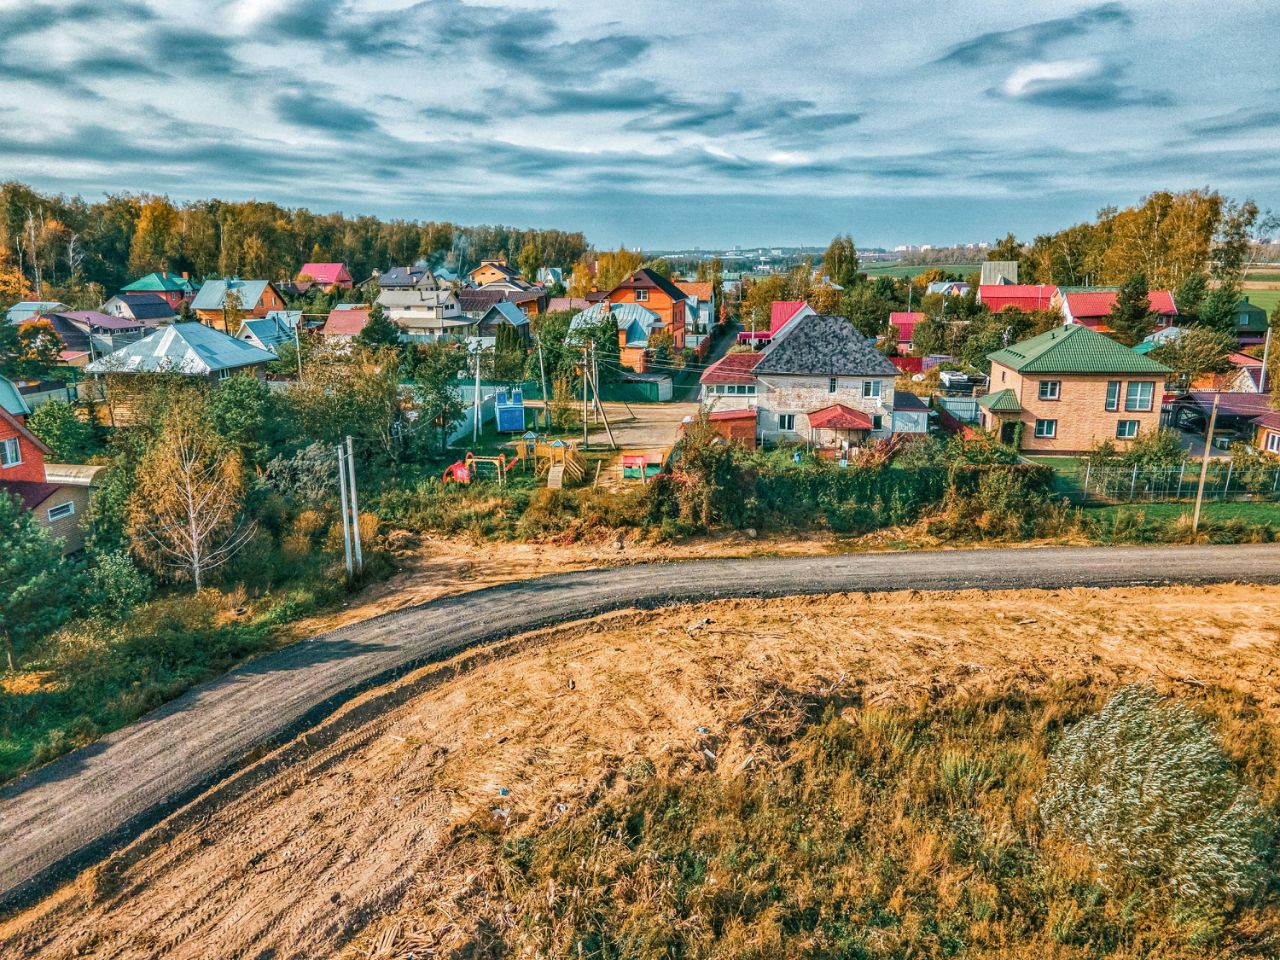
{"x": 849, "y": 775}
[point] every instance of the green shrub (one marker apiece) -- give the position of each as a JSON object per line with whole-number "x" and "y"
{"x": 1145, "y": 786}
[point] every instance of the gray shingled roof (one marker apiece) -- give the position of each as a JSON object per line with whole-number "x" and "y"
{"x": 826, "y": 345}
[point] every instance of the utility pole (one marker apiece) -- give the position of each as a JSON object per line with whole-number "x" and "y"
{"x": 586, "y": 376}
{"x": 546, "y": 399}
{"x": 1204, "y": 464}
{"x": 1266, "y": 355}
{"x": 355, "y": 508}
{"x": 346, "y": 520}
{"x": 595, "y": 387}
{"x": 475, "y": 403}
{"x": 297, "y": 347}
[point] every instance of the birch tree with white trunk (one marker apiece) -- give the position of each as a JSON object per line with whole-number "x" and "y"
{"x": 186, "y": 514}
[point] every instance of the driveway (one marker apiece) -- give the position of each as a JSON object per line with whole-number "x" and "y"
{"x": 80, "y": 806}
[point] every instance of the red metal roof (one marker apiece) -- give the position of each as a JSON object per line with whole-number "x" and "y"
{"x": 345, "y": 323}
{"x": 1097, "y": 305}
{"x": 696, "y": 288}
{"x": 1023, "y": 296}
{"x": 782, "y": 311}
{"x": 732, "y": 368}
{"x": 839, "y": 417}
{"x": 325, "y": 273}
{"x": 731, "y": 415}
{"x": 1269, "y": 420}
{"x": 905, "y": 322}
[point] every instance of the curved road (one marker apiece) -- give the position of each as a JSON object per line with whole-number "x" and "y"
{"x": 60, "y": 817}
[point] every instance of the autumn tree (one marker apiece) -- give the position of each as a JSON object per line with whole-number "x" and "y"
{"x": 529, "y": 261}
{"x": 1197, "y": 351}
{"x": 155, "y": 237}
{"x": 28, "y": 351}
{"x": 581, "y": 280}
{"x": 185, "y": 515}
{"x": 1131, "y": 318}
{"x": 612, "y": 267}
{"x": 840, "y": 262}
{"x": 352, "y": 392}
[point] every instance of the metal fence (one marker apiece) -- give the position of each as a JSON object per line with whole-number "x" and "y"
{"x": 1225, "y": 480}
{"x": 964, "y": 409}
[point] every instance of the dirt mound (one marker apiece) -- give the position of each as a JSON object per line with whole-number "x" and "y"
{"x": 352, "y": 847}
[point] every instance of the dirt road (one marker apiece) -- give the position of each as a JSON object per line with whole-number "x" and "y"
{"x": 77, "y": 807}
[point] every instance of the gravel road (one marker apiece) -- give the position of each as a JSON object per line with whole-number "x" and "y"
{"x": 77, "y": 808}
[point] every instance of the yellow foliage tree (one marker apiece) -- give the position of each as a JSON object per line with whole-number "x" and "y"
{"x": 185, "y": 513}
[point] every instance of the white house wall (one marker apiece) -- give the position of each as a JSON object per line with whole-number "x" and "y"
{"x": 779, "y": 394}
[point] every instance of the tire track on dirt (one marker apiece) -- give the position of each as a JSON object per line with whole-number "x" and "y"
{"x": 79, "y": 807}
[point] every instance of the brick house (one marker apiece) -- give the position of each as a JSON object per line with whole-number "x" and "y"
{"x": 819, "y": 382}
{"x": 57, "y": 494}
{"x": 1068, "y": 389}
{"x": 1092, "y": 308}
{"x": 173, "y": 288}
{"x": 1266, "y": 437}
{"x": 655, "y": 293}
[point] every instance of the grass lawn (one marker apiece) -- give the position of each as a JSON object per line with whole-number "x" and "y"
{"x": 1260, "y": 513}
{"x": 912, "y": 270}
{"x": 1266, "y": 299}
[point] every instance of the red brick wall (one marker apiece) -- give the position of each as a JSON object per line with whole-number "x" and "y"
{"x": 32, "y": 465}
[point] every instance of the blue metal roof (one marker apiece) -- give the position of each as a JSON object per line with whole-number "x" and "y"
{"x": 513, "y": 314}
{"x": 26, "y": 309}
{"x": 270, "y": 332}
{"x": 213, "y": 294}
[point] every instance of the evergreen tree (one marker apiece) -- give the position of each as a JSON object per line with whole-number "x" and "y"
{"x": 380, "y": 330}
{"x": 37, "y": 587}
{"x": 1131, "y": 319}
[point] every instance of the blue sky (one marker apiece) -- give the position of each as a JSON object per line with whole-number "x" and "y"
{"x": 654, "y": 124}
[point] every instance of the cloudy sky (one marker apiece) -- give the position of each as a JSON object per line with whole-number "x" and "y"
{"x": 658, "y": 123}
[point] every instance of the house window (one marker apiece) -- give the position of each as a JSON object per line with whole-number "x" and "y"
{"x": 1273, "y": 443}
{"x": 871, "y": 388}
{"x": 831, "y": 385}
{"x": 1046, "y": 429}
{"x": 1127, "y": 429}
{"x": 1138, "y": 395}
{"x": 1050, "y": 389}
{"x": 1113, "y": 395}
{"x": 877, "y": 422}
{"x": 787, "y": 422}
{"x": 61, "y": 510}
{"x": 642, "y": 296}
{"x": 224, "y": 374}
{"x": 10, "y": 452}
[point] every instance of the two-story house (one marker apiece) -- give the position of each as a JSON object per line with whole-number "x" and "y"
{"x": 56, "y": 494}
{"x": 424, "y": 314}
{"x": 327, "y": 276}
{"x": 819, "y": 381}
{"x": 173, "y": 288}
{"x": 1249, "y": 322}
{"x": 657, "y": 294}
{"x": 224, "y": 303}
{"x": 1068, "y": 389}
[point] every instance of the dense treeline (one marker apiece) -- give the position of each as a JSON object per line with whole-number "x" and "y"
{"x": 69, "y": 248}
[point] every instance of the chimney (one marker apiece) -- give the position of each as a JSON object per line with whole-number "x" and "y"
{"x": 186, "y": 275}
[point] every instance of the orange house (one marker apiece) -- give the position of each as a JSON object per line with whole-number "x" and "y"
{"x": 252, "y": 299}
{"x": 654, "y": 292}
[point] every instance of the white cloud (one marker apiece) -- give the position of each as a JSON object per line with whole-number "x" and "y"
{"x": 1032, "y": 76}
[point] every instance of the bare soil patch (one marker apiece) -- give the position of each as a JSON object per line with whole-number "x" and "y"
{"x": 354, "y": 850}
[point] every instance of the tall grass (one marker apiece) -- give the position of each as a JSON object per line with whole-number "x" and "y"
{"x": 880, "y": 832}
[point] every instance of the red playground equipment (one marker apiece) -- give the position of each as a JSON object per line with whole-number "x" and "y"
{"x": 469, "y": 468}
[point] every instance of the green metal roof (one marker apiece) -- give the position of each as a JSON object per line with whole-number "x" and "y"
{"x": 1002, "y": 401}
{"x": 160, "y": 281}
{"x": 1074, "y": 349}
{"x": 12, "y": 400}
{"x": 1257, "y": 317}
